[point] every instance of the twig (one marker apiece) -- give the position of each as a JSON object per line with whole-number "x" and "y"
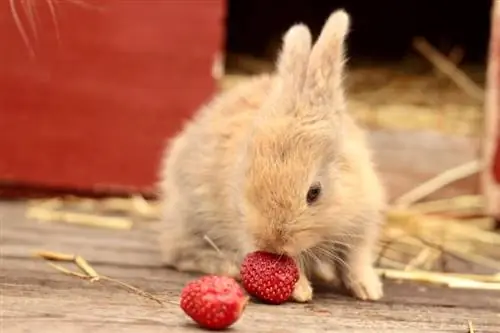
{"x": 448, "y": 280}
{"x": 55, "y": 256}
{"x": 421, "y": 258}
{"x": 432, "y": 185}
{"x": 90, "y": 273}
{"x": 86, "y": 268}
{"x": 477, "y": 277}
{"x": 474, "y": 258}
{"x": 143, "y": 207}
{"x": 456, "y": 204}
{"x": 471, "y": 328}
{"x": 455, "y": 56}
{"x": 448, "y": 68}
{"x": 136, "y": 205}
{"x": 47, "y": 214}
{"x": 459, "y": 252}
{"x": 67, "y": 271}
{"x": 134, "y": 289}
{"x": 381, "y": 253}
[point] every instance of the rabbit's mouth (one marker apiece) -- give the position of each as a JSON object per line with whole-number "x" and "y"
{"x": 293, "y": 244}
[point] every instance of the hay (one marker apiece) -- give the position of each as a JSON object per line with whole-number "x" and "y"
{"x": 49, "y": 214}
{"x": 465, "y": 281}
{"x": 94, "y": 212}
{"x": 449, "y": 69}
{"x": 88, "y": 271}
{"x": 419, "y": 241}
{"x": 438, "y": 182}
{"x": 471, "y": 328}
{"x": 413, "y": 243}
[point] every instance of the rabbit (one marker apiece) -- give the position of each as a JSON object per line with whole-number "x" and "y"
{"x": 277, "y": 164}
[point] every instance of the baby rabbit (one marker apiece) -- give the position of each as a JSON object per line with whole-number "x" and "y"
{"x": 277, "y": 164}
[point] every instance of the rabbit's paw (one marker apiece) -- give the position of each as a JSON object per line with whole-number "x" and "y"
{"x": 200, "y": 260}
{"x": 303, "y": 291}
{"x": 208, "y": 264}
{"x": 364, "y": 283}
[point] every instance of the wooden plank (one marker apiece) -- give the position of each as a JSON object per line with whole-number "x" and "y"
{"x": 35, "y": 297}
{"x": 491, "y": 142}
{"x": 21, "y": 237}
{"x": 405, "y": 159}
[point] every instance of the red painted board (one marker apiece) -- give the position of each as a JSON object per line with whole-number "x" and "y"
{"x": 93, "y": 108}
{"x": 491, "y": 142}
{"x": 496, "y": 159}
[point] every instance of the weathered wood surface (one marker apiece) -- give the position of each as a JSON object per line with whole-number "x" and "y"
{"x": 405, "y": 159}
{"x": 491, "y": 142}
{"x": 36, "y": 298}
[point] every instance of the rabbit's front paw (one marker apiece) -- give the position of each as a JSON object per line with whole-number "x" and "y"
{"x": 364, "y": 283}
{"x": 303, "y": 291}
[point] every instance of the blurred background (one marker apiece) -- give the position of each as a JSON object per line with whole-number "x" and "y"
{"x": 92, "y": 90}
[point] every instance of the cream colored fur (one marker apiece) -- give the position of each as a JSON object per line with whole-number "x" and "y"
{"x": 238, "y": 173}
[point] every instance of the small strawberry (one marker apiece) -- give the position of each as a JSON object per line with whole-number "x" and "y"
{"x": 269, "y": 277}
{"x": 214, "y": 302}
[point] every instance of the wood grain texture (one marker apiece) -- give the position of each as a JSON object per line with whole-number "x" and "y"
{"x": 36, "y": 298}
{"x": 405, "y": 159}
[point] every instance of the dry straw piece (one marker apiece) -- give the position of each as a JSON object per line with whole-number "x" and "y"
{"x": 412, "y": 240}
{"x": 469, "y": 281}
{"x": 448, "y": 68}
{"x": 438, "y": 182}
{"x": 89, "y": 272}
{"x": 92, "y": 220}
{"x": 90, "y": 212}
{"x": 471, "y": 328}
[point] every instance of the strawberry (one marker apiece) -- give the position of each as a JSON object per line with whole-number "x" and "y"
{"x": 269, "y": 277}
{"x": 214, "y": 302}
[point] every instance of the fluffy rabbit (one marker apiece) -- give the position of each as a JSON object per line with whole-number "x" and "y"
{"x": 278, "y": 164}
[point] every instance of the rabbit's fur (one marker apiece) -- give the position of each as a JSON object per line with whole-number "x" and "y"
{"x": 236, "y": 178}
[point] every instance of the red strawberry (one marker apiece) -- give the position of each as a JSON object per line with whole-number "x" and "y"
{"x": 269, "y": 277}
{"x": 214, "y": 302}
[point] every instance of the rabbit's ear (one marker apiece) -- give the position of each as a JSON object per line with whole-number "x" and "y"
{"x": 293, "y": 59}
{"x": 326, "y": 62}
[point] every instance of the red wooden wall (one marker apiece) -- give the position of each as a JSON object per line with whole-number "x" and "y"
{"x": 93, "y": 111}
{"x": 491, "y": 149}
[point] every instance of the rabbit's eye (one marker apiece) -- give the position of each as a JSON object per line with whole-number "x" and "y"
{"x": 313, "y": 193}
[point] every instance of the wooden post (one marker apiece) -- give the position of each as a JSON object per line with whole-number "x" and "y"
{"x": 491, "y": 142}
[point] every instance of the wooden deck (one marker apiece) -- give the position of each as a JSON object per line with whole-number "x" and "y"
{"x": 37, "y": 298}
